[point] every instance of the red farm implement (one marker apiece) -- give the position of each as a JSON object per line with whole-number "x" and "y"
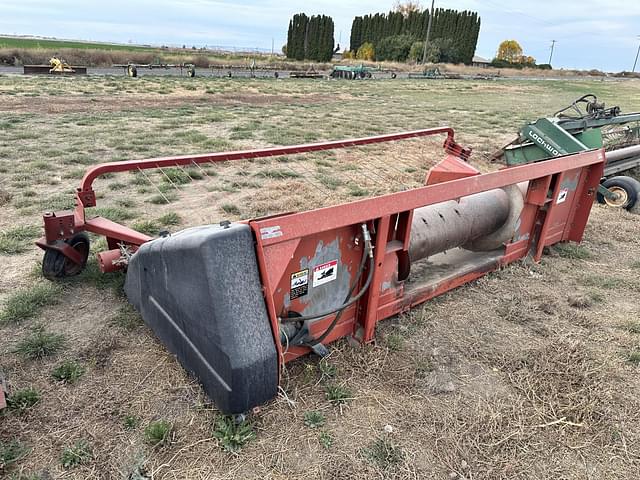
{"x": 236, "y": 300}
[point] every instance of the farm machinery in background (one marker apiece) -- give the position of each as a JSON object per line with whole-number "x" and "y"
{"x": 235, "y": 301}
{"x": 56, "y": 66}
{"x": 582, "y": 126}
{"x": 131, "y": 69}
{"x": 351, "y": 72}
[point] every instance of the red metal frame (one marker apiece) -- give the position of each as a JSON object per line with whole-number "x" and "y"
{"x": 549, "y": 216}
{"x": 60, "y": 226}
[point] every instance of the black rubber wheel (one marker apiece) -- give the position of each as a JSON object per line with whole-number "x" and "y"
{"x": 368, "y": 74}
{"x": 627, "y": 189}
{"x": 132, "y": 71}
{"x": 56, "y": 265}
{"x": 191, "y": 72}
{"x": 276, "y": 75}
{"x": 393, "y": 75}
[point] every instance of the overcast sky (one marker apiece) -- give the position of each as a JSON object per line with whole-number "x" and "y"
{"x": 599, "y": 34}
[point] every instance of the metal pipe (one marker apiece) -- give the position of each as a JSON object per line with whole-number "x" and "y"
{"x": 615, "y": 155}
{"x": 479, "y": 222}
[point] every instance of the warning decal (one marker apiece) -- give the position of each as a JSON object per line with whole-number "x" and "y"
{"x": 325, "y": 273}
{"x": 299, "y": 284}
{"x": 562, "y": 195}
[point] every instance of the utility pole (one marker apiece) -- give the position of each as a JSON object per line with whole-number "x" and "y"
{"x": 272, "y": 46}
{"x": 426, "y": 40}
{"x": 636, "y": 60}
{"x": 553, "y": 43}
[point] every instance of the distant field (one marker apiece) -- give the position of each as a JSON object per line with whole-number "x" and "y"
{"x": 14, "y": 42}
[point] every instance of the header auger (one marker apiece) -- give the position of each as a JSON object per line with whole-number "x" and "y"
{"x": 234, "y": 301}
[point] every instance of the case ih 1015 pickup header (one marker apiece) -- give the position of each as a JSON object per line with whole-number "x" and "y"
{"x": 235, "y": 301}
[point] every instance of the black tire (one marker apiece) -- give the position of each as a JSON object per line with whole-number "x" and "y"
{"x": 191, "y": 72}
{"x": 627, "y": 187}
{"x": 368, "y": 74}
{"x": 276, "y": 75}
{"x": 393, "y": 75}
{"x": 132, "y": 71}
{"x": 55, "y": 265}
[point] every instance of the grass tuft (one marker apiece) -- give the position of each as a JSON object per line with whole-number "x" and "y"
{"x": 10, "y": 453}
{"x": 40, "y": 344}
{"x": 230, "y": 209}
{"x": 384, "y": 453}
{"x": 68, "y": 371}
{"x": 326, "y": 440}
{"x": 77, "y": 454}
{"x": 337, "y": 394}
{"x": 26, "y": 304}
{"x": 572, "y": 250}
{"x": 314, "y": 419}
{"x": 634, "y": 357}
{"x": 24, "y": 399}
{"x": 130, "y": 422}
{"x": 18, "y": 239}
{"x": 157, "y": 434}
{"x": 232, "y": 436}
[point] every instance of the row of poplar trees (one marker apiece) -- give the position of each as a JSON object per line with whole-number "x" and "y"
{"x": 310, "y": 38}
{"x": 461, "y": 28}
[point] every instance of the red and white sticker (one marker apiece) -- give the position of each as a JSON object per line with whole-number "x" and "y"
{"x": 562, "y": 195}
{"x": 325, "y": 273}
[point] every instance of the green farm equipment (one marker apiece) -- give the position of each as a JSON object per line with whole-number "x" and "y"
{"x": 584, "y": 125}
{"x": 354, "y": 72}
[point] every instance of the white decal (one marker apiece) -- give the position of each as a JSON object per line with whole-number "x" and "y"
{"x": 325, "y": 273}
{"x": 270, "y": 232}
{"x": 562, "y": 196}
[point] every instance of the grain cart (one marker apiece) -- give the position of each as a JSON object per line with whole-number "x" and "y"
{"x": 235, "y": 301}
{"x": 585, "y": 124}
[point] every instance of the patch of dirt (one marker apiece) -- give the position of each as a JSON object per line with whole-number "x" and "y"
{"x": 110, "y": 103}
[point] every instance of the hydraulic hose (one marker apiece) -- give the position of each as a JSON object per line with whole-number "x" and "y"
{"x": 368, "y": 252}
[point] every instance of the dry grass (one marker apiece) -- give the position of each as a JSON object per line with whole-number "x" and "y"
{"x": 502, "y": 378}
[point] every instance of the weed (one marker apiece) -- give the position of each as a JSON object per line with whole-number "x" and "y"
{"x": 314, "y": 419}
{"x": 384, "y": 453}
{"x": 337, "y": 394}
{"x": 40, "y": 344}
{"x": 164, "y": 198}
{"x": 634, "y": 357}
{"x": 603, "y": 281}
{"x": 26, "y": 304}
{"x": 230, "y": 209}
{"x": 356, "y": 191}
{"x": 632, "y": 326}
{"x": 332, "y": 183}
{"x": 326, "y": 440}
{"x": 176, "y": 176}
{"x": 231, "y": 435}
{"x": 157, "y": 433}
{"x": 10, "y": 453}
{"x": 130, "y": 422}
{"x": 278, "y": 174}
{"x": 148, "y": 227}
{"x": 117, "y": 186}
{"x": 327, "y": 370}
{"x": 5, "y": 197}
{"x": 77, "y": 454}
{"x": 68, "y": 371}
{"x": 170, "y": 219}
{"x": 635, "y": 264}
{"x": 573, "y": 251}
{"x": 116, "y": 214}
{"x": 127, "y": 318}
{"x": 24, "y": 399}
{"x": 18, "y": 239}
{"x": 394, "y": 341}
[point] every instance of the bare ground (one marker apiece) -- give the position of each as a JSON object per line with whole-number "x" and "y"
{"x": 508, "y": 377}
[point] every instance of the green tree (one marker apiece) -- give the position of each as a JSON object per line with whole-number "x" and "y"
{"x": 395, "y": 49}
